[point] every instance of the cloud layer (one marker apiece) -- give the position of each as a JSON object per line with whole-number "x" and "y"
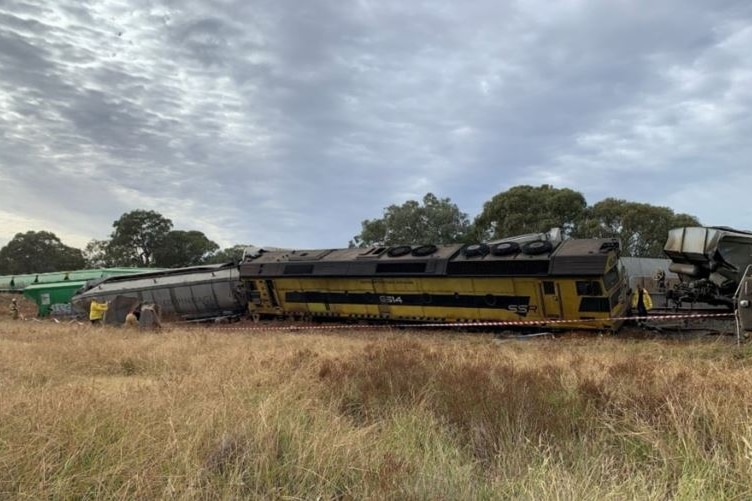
{"x": 288, "y": 124}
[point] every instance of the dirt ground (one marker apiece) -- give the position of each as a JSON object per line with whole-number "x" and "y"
{"x": 26, "y": 307}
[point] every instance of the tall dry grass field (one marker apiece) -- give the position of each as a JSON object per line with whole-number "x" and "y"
{"x": 212, "y": 413}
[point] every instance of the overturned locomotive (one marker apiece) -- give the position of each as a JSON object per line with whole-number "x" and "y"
{"x": 569, "y": 284}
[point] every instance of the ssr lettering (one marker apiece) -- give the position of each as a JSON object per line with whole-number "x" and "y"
{"x": 390, "y": 299}
{"x": 522, "y": 309}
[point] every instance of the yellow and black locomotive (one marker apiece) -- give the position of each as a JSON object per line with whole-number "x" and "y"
{"x": 571, "y": 284}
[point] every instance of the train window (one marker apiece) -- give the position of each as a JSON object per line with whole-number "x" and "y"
{"x": 548, "y": 287}
{"x": 589, "y": 288}
{"x": 611, "y": 278}
{"x": 599, "y": 304}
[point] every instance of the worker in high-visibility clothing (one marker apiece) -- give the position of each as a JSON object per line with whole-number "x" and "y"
{"x": 97, "y": 310}
{"x": 641, "y": 302}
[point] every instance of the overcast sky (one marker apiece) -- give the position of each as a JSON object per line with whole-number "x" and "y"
{"x": 288, "y": 123}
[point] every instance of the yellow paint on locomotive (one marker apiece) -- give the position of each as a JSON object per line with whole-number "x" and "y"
{"x": 547, "y": 298}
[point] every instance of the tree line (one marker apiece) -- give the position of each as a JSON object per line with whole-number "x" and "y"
{"x": 139, "y": 238}
{"x": 642, "y": 228}
{"x": 147, "y": 239}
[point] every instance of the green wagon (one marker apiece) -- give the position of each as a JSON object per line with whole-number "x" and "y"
{"x": 52, "y": 292}
{"x": 53, "y": 298}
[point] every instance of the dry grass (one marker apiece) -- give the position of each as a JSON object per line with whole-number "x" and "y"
{"x": 216, "y": 414}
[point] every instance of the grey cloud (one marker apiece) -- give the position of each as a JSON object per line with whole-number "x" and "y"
{"x": 279, "y": 124}
{"x": 207, "y": 40}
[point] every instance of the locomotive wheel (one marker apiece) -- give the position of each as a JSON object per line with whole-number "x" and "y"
{"x": 400, "y": 250}
{"x": 534, "y": 248}
{"x": 475, "y": 250}
{"x": 424, "y": 250}
{"x": 505, "y": 249}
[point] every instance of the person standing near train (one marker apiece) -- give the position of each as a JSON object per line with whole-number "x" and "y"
{"x": 660, "y": 279}
{"x": 97, "y": 311}
{"x": 642, "y": 302}
{"x": 133, "y": 316}
{"x": 14, "y": 313}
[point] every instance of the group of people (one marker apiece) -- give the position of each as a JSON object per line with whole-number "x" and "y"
{"x": 99, "y": 308}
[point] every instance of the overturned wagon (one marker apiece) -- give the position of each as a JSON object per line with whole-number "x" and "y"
{"x": 710, "y": 262}
{"x": 192, "y": 293}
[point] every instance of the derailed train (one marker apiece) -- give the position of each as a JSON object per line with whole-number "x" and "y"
{"x": 197, "y": 292}
{"x": 710, "y": 262}
{"x": 573, "y": 284}
{"x": 566, "y": 284}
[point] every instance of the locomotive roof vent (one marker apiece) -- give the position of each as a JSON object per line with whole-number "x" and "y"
{"x": 424, "y": 250}
{"x": 399, "y": 250}
{"x": 609, "y": 246}
{"x": 371, "y": 253}
{"x": 476, "y": 250}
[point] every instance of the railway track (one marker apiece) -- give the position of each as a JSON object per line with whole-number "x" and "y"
{"x": 668, "y": 322}
{"x": 690, "y": 321}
